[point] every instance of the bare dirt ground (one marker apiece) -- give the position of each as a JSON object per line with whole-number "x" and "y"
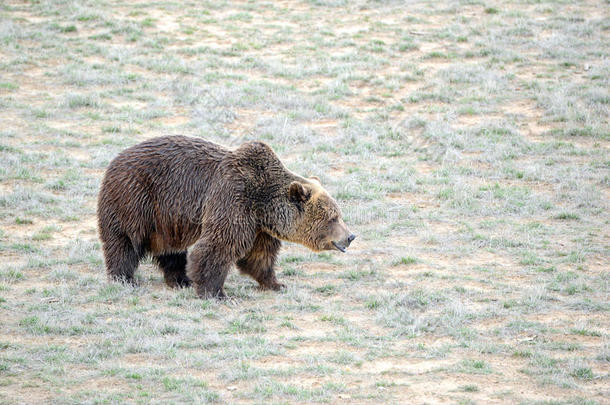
{"x": 466, "y": 141}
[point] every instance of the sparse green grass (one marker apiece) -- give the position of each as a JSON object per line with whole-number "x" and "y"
{"x": 406, "y": 260}
{"x": 467, "y": 143}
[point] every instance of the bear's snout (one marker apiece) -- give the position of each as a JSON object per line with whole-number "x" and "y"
{"x": 343, "y": 244}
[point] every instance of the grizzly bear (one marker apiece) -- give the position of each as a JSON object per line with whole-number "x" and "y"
{"x": 198, "y": 208}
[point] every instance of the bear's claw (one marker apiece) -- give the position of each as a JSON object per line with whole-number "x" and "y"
{"x": 274, "y": 286}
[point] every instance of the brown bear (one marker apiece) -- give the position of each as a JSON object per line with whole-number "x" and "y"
{"x": 198, "y": 208}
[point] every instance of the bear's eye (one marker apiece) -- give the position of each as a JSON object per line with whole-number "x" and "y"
{"x": 333, "y": 220}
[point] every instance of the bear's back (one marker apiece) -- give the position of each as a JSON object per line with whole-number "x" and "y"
{"x": 164, "y": 165}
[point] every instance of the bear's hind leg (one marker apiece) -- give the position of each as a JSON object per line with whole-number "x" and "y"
{"x": 121, "y": 258}
{"x": 259, "y": 263}
{"x": 174, "y": 269}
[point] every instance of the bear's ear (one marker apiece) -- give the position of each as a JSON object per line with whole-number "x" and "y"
{"x": 298, "y": 193}
{"x": 316, "y": 178}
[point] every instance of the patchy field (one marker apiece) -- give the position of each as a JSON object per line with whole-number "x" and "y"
{"x": 467, "y": 141}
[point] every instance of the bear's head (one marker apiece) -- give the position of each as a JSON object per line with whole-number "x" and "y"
{"x": 317, "y": 220}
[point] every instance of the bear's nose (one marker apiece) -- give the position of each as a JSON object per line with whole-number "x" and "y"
{"x": 350, "y": 238}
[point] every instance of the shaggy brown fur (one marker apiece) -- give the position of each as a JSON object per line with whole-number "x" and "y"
{"x": 170, "y": 194}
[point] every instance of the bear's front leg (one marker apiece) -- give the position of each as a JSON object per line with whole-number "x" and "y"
{"x": 259, "y": 262}
{"x": 207, "y": 268}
